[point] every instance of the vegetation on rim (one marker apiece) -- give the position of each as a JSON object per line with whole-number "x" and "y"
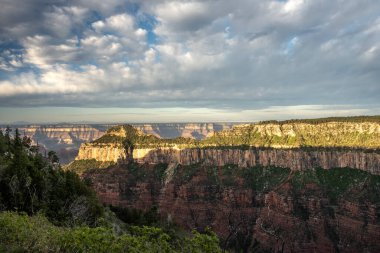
{"x": 336, "y": 132}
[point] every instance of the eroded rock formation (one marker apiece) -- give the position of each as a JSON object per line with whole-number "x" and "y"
{"x": 295, "y": 159}
{"x": 276, "y": 196}
{"x": 66, "y": 139}
{"x": 272, "y": 214}
{"x": 294, "y": 145}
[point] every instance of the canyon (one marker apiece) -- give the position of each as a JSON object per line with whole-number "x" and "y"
{"x": 65, "y": 139}
{"x": 298, "y": 146}
{"x": 259, "y": 209}
{"x": 295, "y": 159}
{"x": 266, "y": 187}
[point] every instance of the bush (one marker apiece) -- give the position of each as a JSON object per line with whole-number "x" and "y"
{"x": 80, "y": 166}
{"x": 21, "y": 233}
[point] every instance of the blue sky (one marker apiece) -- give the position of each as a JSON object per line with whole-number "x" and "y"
{"x": 159, "y": 61}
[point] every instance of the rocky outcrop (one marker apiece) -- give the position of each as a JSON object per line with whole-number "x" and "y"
{"x": 102, "y": 152}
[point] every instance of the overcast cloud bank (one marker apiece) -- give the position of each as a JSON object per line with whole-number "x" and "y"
{"x": 233, "y": 56}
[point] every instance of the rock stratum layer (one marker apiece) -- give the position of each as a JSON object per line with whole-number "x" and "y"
{"x": 66, "y": 139}
{"x": 285, "y": 158}
{"x": 295, "y": 159}
{"x": 254, "y": 209}
{"x": 268, "y": 187}
{"x": 295, "y": 145}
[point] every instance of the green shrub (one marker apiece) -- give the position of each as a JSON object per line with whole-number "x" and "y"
{"x": 261, "y": 178}
{"x": 340, "y": 183}
{"x": 80, "y": 166}
{"x": 21, "y": 233}
{"x": 202, "y": 243}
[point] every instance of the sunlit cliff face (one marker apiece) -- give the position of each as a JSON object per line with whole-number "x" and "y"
{"x": 66, "y": 139}
{"x": 297, "y": 146}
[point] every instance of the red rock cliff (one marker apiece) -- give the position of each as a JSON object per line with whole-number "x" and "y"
{"x": 267, "y": 215}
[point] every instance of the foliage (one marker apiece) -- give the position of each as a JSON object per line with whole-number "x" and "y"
{"x": 353, "y": 119}
{"x": 184, "y": 174}
{"x": 228, "y": 172}
{"x": 109, "y": 139}
{"x": 263, "y": 179}
{"x": 137, "y": 217}
{"x": 130, "y": 137}
{"x": 20, "y": 233}
{"x": 212, "y": 176}
{"x": 304, "y": 133}
{"x": 294, "y": 136}
{"x": 80, "y": 166}
{"x": 160, "y": 171}
{"x": 32, "y": 183}
{"x": 202, "y": 243}
{"x": 349, "y": 183}
{"x": 137, "y": 172}
{"x": 341, "y": 183}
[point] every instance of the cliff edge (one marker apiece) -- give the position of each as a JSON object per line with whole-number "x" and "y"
{"x": 297, "y": 145}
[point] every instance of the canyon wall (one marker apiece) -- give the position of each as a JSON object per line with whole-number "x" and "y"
{"x": 188, "y": 130}
{"x": 253, "y": 209}
{"x": 102, "y": 152}
{"x": 256, "y": 186}
{"x": 298, "y": 145}
{"x": 63, "y": 139}
{"x": 66, "y": 139}
{"x": 295, "y": 159}
{"x": 62, "y": 134}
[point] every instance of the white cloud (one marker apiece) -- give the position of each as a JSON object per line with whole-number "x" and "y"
{"x": 43, "y": 52}
{"x": 218, "y": 54}
{"x": 105, "y": 8}
{"x": 56, "y": 80}
{"x": 120, "y": 23}
{"x": 102, "y": 47}
{"x": 115, "y": 38}
{"x": 61, "y": 20}
{"x": 293, "y": 6}
{"x": 10, "y": 60}
{"x": 188, "y": 16}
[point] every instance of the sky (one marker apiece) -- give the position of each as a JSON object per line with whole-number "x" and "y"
{"x": 186, "y": 61}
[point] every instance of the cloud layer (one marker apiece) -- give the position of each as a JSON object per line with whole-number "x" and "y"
{"x": 230, "y": 55}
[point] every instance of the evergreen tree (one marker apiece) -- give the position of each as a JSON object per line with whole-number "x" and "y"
{"x": 31, "y": 183}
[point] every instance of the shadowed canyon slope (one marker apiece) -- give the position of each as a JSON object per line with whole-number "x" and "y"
{"x": 295, "y": 186}
{"x": 259, "y": 209}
